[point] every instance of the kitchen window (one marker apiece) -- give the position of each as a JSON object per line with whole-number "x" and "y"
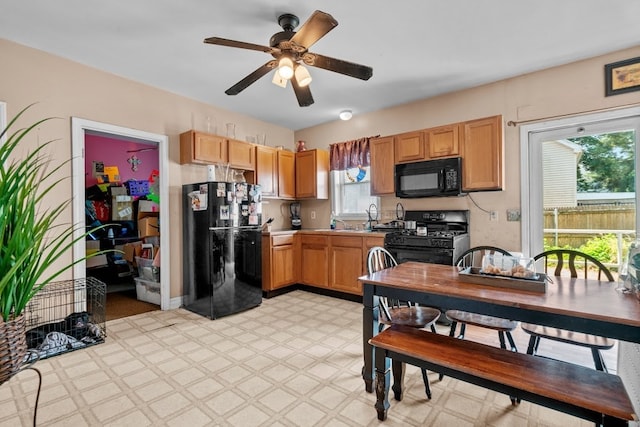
{"x": 350, "y": 193}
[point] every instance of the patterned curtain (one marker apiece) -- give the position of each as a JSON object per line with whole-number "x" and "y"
{"x": 350, "y": 154}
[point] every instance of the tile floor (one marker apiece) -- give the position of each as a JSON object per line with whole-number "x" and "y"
{"x": 293, "y": 361}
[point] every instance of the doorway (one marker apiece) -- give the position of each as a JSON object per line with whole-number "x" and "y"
{"x": 80, "y": 128}
{"x": 573, "y": 165}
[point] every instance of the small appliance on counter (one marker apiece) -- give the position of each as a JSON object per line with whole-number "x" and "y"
{"x": 296, "y": 221}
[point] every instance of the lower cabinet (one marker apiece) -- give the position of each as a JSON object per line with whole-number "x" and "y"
{"x": 345, "y": 255}
{"x": 314, "y": 257}
{"x": 278, "y": 262}
{"x": 323, "y": 260}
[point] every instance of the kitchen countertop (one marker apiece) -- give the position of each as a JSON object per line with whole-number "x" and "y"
{"x": 326, "y": 231}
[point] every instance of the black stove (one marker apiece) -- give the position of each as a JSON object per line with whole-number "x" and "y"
{"x": 440, "y": 237}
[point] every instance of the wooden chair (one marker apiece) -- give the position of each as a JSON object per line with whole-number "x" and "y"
{"x": 473, "y": 258}
{"x": 395, "y": 312}
{"x": 556, "y": 262}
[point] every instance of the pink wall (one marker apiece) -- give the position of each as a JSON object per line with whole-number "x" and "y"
{"x": 113, "y": 152}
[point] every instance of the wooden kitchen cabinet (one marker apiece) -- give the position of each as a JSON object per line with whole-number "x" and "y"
{"x": 202, "y": 148}
{"x": 382, "y": 166}
{"x": 345, "y": 260}
{"x": 242, "y": 155}
{"x": 368, "y": 243}
{"x": 286, "y": 174}
{"x": 314, "y": 260}
{"x": 410, "y": 147}
{"x": 443, "y": 141}
{"x": 482, "y": 154}
{"x": 267, "y": 170}
{"x": 312, "y": 174}
{"x": 207, "y": 149}
{"x": 275, "y": 172}
{"x": 278, "y": 262}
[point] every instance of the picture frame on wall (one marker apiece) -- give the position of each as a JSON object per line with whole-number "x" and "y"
{"x": 622, "y": 76}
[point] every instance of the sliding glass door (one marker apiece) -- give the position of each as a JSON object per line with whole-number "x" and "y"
{"x": 579, "y": 184}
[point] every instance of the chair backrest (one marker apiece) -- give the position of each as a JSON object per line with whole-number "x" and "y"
{"x": 378, "y": 259}
{"x": 572, "y": 261}
{"x": 472, "y": 257}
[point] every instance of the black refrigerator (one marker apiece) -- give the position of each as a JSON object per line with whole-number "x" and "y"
{"x": 222, "y": 269}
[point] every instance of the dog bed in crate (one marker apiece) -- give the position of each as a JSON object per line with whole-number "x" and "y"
{"x": 66, "y": 316}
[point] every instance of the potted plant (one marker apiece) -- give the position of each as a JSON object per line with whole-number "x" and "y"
{"x": 31, "y": 238}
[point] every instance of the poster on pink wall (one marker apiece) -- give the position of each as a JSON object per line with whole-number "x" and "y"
{"x": 116, "y": 160}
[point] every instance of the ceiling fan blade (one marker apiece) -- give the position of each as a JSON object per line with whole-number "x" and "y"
{"x": 318, "y": 24}
{"x": 302, "y": 93}
{"x": 241, "y": 45}
{"x": 251, "y": 78}
{"x": 338, "y": 65}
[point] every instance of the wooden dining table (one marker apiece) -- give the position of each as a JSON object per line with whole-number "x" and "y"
{"x": 582, "y": 305}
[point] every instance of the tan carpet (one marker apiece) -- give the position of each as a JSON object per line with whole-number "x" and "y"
{"x": 293, "y": 361}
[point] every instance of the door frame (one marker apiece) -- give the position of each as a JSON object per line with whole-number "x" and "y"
{"x": 531, "y": 166}
{"x": 78, "y": 129}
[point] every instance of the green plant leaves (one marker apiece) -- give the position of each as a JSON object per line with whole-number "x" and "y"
{"x": 31, "y": 239}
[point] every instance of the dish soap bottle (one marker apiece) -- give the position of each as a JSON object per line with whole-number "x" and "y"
{"x": 332, "y": 221}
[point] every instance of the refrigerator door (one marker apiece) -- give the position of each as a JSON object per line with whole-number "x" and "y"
{"x": 218, "y": 262}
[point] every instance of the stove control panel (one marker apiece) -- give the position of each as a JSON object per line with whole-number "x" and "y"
{"x": 433, "y": 216}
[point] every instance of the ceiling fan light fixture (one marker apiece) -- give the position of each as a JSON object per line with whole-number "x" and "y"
{"x": 302, "y": 76}
{"x": 279, "y": 81}
{"x": 346, "y": 115}
{"x": 285, "y": 68}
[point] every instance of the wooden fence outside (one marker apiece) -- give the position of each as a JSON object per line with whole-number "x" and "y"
{"x": 584, "y": 218}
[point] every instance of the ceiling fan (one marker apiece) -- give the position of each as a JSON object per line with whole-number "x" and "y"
{"x": 291, "y": 52}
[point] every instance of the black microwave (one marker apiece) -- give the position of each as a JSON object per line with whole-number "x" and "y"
{"x": 440, "y": 177}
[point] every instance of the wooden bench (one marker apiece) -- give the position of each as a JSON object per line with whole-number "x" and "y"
{"x": 583, "y": 392}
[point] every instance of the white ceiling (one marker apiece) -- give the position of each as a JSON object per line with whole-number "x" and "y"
{"x": 417, "y": 48}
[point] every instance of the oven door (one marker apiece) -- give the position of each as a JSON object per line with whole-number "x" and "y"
{"x": 430, "y": 255}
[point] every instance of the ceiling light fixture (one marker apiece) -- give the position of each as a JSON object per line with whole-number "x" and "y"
{"x": 346, "y": 115}
{"x": 302, "y": 76}
{"x": 279, "y": 81}
{"x": 285, "y": 68}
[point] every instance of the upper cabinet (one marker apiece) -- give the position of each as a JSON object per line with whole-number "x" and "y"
{"x": 312, "y": 174}
{"x": 482, "y": 154}
{"x": 275, "y": 172}
{"x": 267, "y": 170}
{"x": 477, "y": 142}
{"x": 426, "y": 144}
{"x": 443, "y": 141}
{"x": 242, "y": 155}
{"x": 382, "y": 166}
{"x": 286, "y": 174}
{"x": 203, "y": 148}
{"x": 409, "y": 147}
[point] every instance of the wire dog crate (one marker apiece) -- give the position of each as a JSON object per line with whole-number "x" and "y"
{"x": 66, "y": 316}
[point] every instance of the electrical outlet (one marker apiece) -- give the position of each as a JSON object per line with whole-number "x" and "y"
{"x": 313, "y": 214}
{"x": 493, "y": 215}
{"x": 513, "y": 214}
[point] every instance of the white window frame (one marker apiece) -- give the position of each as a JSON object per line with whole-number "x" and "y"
{"x": 336, "y": 197}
